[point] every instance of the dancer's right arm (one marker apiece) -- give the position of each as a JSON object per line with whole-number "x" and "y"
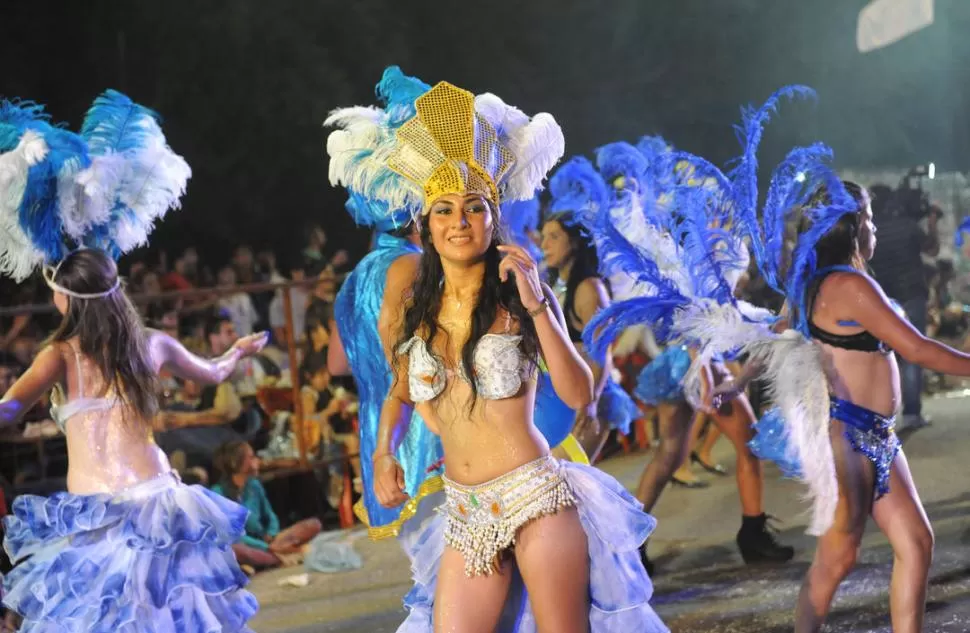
{"x": 398, "y": 407}
{"x": 868, "y": 306}
{"x": 47, "y": 368}
{"x": 169, "y": 354}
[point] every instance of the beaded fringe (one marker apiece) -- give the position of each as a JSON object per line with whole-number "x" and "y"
{"x": 483, "y": 520}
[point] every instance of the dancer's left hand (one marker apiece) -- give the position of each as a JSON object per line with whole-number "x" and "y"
{"x": 719, "y": 396}
{"x": 520, "y": 264}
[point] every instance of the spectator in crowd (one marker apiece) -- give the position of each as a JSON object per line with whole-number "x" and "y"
{"x": 898, "y": 266}
{"x": 264, "y": 545}
{"x": 325, "y": 409}
{"x": 299, "y": 298}
{"x": 239, "y": 305}
{"x": 316, "y": 254}
{"x": 185, "y": 273}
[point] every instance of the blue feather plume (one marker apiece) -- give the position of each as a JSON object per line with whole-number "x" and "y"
{"x": 40, "y": 216}
{"x": 17, "y": 116}
{"x": 398, "y": 92}
{"x": 577, "y": 187}
{"x": 521, "y": 218}
{"x": 659, "y": 311}
{"x": 958, "y": 238}
{"x": 744, "y": 174}
{"x": 790, "y": 188}
{"x": 622, "y": 160}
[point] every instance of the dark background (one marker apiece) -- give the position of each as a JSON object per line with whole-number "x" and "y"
{"x": 244, "y": 85}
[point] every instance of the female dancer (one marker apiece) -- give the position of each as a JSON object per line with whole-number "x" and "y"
{"x": 848, "y": 451}
{"x": 573, "y": 273}
{"x": 128, "y": 543}
{"x": 682, "y": 249}
{"x": 464, "y": 344}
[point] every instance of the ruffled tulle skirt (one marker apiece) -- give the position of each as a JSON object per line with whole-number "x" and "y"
{"x": 661, "y": 380}
{"x": 155, "y": 558}
{"x": 620, "y": 589}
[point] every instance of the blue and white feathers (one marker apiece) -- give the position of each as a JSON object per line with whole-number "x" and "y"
{"x": 103, "y": 188}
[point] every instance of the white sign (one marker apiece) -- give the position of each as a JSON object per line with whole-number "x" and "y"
{"x": 885, "y": 22}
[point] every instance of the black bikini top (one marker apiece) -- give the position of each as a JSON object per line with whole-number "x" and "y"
{"x": 860, "y": 342}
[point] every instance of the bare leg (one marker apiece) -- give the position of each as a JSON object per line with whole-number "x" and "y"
{"x": 468, "y": 605}
{"x": 838, "y": 548}
{"x": 734, "y": 419}
{"x": 901, "y": 517}
{"x": 553, "y": 557}
{"x": 258, "y": 558}
{"x": 674, "y": 422}
{"x": 684, "y": 473}
{"x": 707, "y": 445}
{"x": 298, "y": 534}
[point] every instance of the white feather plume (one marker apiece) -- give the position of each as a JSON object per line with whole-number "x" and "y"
{"x": 86, "y": 197}
{"x": 537, "y": 146}
{"x": 18, "y": 255}
{"x": 797, "y": 384}
{"x": 359, "y": 152}
{"x": 154, "y": 182}
{"x": 718, "y": 329}
{"x": 536, "y": 143}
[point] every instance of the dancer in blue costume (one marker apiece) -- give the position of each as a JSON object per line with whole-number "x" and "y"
{"x": 356, "y": 346}
{"x": 835, "y": 382}
{"x": 553, "y": 418}
{"x": 464, "y": 345}
{"x": 127, "y": 547}
{"x": 578, "y": 191}
{"x": 687, "y": 267}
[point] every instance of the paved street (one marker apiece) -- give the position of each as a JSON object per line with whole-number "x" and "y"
{"x": 702, "y": 585}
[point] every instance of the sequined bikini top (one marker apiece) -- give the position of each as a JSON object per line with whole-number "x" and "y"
{"x": 498, "y": 364}
{"x": 63, "y": 409}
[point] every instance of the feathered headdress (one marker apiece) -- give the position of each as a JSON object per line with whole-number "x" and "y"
{"x": 103, "y": 188}
{"x": 578, "y": 189}
{"x": 620, "y": 162}
{"x": 454, "y": 143}
{"x": 359, "y": 150}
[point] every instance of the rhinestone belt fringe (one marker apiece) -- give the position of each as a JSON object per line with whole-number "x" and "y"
{"x": 482, "y": 520}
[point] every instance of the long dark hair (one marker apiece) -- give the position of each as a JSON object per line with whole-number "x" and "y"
{"x": 108, "y": 329}
{"x": 227, "y": 461}
{"x": 840, "y": 245}
{"x": 585, "y": 263}
{"x": 425, "y": 301}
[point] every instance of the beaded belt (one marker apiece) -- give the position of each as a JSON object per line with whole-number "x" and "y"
{"x": 483, "y": 520}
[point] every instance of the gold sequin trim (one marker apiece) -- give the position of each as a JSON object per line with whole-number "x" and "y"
{"x": 391, "y": 530}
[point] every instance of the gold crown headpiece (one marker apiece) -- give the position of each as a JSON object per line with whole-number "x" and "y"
{"x": 457, "y": 143}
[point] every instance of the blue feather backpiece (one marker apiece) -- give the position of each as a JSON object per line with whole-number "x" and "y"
{"x": 578, "y": 188}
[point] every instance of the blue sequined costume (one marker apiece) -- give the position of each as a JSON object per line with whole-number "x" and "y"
{"x": 869, "y": 433}
{"x": 356, "y": 311}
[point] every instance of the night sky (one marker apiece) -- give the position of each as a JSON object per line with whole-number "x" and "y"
{"x": 244, "y": 85}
